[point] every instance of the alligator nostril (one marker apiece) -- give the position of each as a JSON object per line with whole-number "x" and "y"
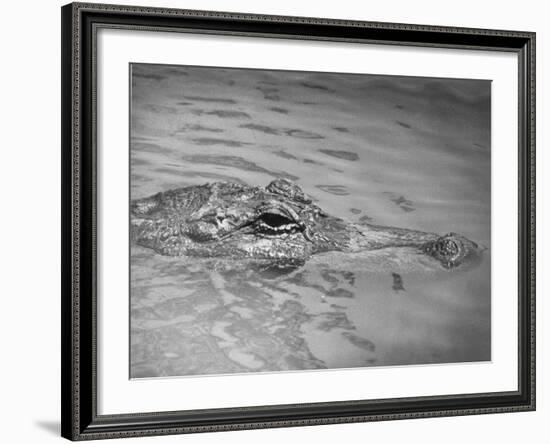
{"x": 449, "y": 248}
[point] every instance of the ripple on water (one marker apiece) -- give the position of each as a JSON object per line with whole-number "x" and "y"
{"x": 401, "y": 201}
{"x": 234, "y": 162}
{"x": 339, "y": 154}
{"x": 360, "y": 342}
{"x": 338, "y": 190}
{"x": 275, "y": 131}
{"x": 245, "y": 359}
{"x": 148, "y": 76}
{"x": 212, "y": 141}
{"x": 222, "y": 113}
{"x": 223, "y": 100}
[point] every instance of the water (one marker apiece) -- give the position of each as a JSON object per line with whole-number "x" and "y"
{"x": 406, "y": 152}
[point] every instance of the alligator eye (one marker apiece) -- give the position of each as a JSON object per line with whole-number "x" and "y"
{"x": 272, "y": 223}
{"x": 275, "y": 220}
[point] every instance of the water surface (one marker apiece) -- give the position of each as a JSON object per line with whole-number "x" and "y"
{"x": 398, "y": 151}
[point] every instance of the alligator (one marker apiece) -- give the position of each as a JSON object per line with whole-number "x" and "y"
{"x": 278, "y": 222}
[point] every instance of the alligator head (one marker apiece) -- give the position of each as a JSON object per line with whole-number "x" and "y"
{"x": 277, "y": 222}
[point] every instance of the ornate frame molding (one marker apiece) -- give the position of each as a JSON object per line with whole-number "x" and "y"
{"x": 80, "y": 420}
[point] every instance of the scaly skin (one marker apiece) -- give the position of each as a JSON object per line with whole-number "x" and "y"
{"x": 278, "y": 222}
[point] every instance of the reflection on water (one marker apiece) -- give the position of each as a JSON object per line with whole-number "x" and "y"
{"x": 405, "y": 152}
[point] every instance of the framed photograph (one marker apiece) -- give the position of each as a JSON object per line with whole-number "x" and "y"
{"x": 280, "y": 221}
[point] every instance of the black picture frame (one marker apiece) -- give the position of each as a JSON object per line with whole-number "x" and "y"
{"x": 80, "y": 420}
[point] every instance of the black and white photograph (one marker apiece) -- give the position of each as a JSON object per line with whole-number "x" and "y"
{"x": 298, "y": 221}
